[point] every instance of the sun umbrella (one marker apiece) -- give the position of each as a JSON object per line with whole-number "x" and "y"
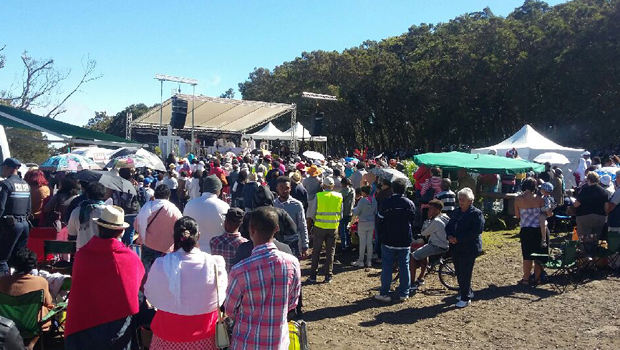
{"x": 68, "y": 162}
{"x": 552, "y": 158}
{"x": 351, "y": 160}
{"x": 609, "y": 170}
{"x": 107, "y": 179}
{"x": 129, "y": 161}
{"x": 390, "y": 174}
{"x": 97, "y": 154}
{"x": 154, "y": 161}
{"x": 313, "y": 155}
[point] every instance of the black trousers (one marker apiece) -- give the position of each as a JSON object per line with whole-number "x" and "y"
{"x": 12, "y": 239}
{"x": 464, "y": 266}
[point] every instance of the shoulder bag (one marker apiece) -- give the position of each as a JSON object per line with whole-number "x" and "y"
{"x": 221, "y": 331}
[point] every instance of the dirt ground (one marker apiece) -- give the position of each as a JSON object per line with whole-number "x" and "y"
{"x": 343, "y": 314}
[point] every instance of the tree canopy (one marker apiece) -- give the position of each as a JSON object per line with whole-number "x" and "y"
{"x": 116, "y": 124}
{"x": 469, "y": 82}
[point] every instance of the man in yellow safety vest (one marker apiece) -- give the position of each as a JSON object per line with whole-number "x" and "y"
{"x": 326, "y": 220}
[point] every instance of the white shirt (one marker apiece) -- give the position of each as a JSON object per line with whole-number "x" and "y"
{"x": 209, "y": 212}
{"x": 193, "y": 188}
{"x": 196, "y": 279}
{"x": 85, "y": 231}
{"x": 171, "y": 182}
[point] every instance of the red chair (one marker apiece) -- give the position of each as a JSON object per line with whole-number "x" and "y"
{"x": 36, "y": 238}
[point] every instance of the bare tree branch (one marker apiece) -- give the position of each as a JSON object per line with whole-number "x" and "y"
{"x": 2, "y": 57}
{"x": 89, "y": 66}
{"x": 41, "y": 84}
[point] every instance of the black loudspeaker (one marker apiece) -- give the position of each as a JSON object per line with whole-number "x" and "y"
{"x": 317, "y": 124}
{"x": 179, "y": 113}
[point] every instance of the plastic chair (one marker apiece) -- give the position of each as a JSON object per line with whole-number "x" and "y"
{"x": 25, "y": 311}
{"x": 564, "y": 265}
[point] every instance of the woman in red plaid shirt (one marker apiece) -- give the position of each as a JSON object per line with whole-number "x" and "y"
{"x": 263, "y": 289}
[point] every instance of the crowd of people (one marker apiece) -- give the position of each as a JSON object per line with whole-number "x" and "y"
{"x": 227, "y": 233}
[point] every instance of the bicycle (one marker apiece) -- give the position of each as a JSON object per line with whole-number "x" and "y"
{"x": 444, "y": 267}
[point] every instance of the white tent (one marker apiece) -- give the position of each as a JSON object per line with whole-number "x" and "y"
{"x": 529, "y": 143}
{"x": 303, "y": 133}
{"x": 268, "y": 132}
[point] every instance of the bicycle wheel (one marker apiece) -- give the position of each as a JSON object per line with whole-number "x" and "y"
{"x": 447, "y": 274}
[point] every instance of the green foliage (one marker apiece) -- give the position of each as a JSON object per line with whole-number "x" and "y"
{"x": 25, "y": 145}
{"x": 469, "y": 82}
{"x": 100, "y": 122}
{"x": 230, "y": 93}
{"x": 410, "y": 169}
{"x": 117, "y": 124}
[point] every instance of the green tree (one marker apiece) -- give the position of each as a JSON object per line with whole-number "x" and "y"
{"x": 100, "y": 122}
{"x": 27, "y": 145}
{"x": 230, "y": 93}
{"x": 471, "y": 81}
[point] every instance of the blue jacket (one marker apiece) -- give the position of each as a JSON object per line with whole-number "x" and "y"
{"x": 397, "y": 214}
{"x": 466, "y": 227}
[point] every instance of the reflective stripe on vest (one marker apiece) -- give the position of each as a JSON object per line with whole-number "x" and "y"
{"x": 329, "y": 210}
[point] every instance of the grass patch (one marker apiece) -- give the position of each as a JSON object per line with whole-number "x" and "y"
{"x": 498, "y": 239}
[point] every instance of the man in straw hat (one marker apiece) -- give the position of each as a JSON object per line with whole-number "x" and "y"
{"x": 104, "y": 297}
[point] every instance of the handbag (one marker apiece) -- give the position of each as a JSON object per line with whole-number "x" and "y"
{"x": 221, "y": 330}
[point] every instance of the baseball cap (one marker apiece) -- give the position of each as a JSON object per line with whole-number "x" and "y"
{"x": 547, "y": 186}
{"x": 328, "y": 181}
{"x": 605, "y": 180}
{"x": 235, "y": 215}
{"x": 11, "y": 163}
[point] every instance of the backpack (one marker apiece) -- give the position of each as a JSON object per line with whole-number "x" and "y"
{"x": 141, "y": 196}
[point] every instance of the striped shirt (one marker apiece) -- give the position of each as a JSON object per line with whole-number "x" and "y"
{"x": 449, "y": 200}
{"x": 262, "y": 290}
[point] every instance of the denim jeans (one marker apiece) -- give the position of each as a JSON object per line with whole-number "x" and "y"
{"x": 388, "y": 255}
{"x": 129, "y": 231}
{"x": 345, "y": 238}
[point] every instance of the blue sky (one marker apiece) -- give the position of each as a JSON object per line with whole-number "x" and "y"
{"x": 217, "y": 42}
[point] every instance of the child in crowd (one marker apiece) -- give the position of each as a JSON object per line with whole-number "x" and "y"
{"x": 366, "y": 211}
{"x": 446, "y": 196}
{"x": 546, "y": 211}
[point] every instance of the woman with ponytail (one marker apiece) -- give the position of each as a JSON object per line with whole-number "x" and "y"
{"x": 182, "y": 286}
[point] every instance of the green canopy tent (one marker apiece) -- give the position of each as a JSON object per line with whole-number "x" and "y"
{"x": 477, "y": 163}
{"x": 15, "y": 118}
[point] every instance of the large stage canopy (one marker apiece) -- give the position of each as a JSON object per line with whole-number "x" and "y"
{"x": 221, "y": 115}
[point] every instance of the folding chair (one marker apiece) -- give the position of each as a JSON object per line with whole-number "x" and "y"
{"x": 58, "y": 247}
{"x": 25, "y": 311}
{"x": 612, "y": 251}
{"x": 564, "y": 265}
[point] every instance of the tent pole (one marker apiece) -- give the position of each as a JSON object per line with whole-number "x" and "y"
{"x": 193, "y": 101}
{"x": 161, "y": 106}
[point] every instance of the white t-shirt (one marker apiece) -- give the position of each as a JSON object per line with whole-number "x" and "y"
{"x": 209, "y": 212}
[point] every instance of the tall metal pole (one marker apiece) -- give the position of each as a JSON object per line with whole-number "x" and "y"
{"x": 161, "y": 109}
{"x": 193, "y": 100}
{"x": 293, "y": 123}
